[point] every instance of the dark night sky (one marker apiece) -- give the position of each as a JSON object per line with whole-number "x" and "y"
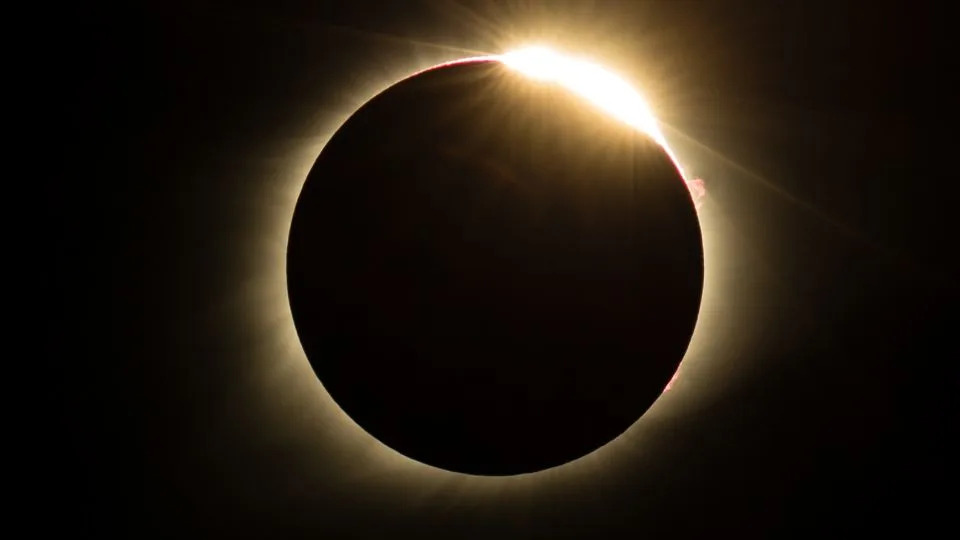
{"x": 824, "y": 396}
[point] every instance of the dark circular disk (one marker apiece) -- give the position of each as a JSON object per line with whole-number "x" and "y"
{"x": 490, "y": 275}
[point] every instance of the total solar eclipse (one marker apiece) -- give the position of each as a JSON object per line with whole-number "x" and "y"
{"x": 490, "y": 274}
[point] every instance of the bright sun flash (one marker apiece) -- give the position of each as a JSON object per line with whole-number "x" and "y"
{"x": 607, "y": 91}
{"x": 599, "y": 86}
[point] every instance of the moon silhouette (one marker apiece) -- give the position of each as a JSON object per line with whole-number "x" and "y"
{"x": 490, "y": 275}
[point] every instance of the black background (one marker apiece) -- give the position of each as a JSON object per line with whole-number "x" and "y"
{"x": 825, "y": 396}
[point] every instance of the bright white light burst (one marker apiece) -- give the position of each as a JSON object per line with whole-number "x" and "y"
{"x": 605, "y": 90}
{"x": 593, "y": 82}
